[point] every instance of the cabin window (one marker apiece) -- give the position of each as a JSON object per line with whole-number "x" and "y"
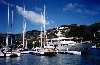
{"x": 66, "y": 44}
{"x": 63, "y": 40}
{"x": 51, "y": 45}
{"x": 49, "y": 41}
{"x": 70, "y": 43}
{"x": 72, "y": 39}
{"x": 67, "y": 39}
{"x": 54, "y": 40}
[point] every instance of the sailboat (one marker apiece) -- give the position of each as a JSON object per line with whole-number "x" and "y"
{"x": 24, "y": 50}
{"x": 44, "y": 50}
{"x": 4, "y": 52}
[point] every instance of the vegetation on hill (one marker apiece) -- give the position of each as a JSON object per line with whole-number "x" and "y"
{"x": 73, "y": 30}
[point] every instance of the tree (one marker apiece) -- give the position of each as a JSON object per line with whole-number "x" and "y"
{"x": 76, "y": 31}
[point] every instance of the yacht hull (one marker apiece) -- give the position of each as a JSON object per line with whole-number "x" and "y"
{"x": 76, "y": 47}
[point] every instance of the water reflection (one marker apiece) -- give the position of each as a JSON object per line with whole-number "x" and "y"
{"x": 44, "y": 60}
{"x": 59, "y": 59}
{"x": 90, "y": 60}
{"x": 8, "y": 59}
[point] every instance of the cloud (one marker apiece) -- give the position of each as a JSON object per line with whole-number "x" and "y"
{"x": 71, "y": 7}
{"x": 78, "y": 8}
{"x": 31, "y": 16}
{"x": 6, "y": 3}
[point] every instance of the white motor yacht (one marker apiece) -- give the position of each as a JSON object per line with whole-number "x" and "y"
{"x": 66, "y": 44}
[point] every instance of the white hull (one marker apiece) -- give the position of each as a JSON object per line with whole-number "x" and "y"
{"x": 43, "y": 51}
{"x": 18, "y": 53}
{"x": 8, "y": 54}
{"x": 76, "y": 47}
{"x": 25, "y": 52}
{"x": 74, "y": 52}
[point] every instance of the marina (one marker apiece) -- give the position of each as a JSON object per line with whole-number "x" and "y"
{"x": 35, "y": 32}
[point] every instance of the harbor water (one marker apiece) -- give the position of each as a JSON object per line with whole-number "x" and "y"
{"x": 59, "y": 59}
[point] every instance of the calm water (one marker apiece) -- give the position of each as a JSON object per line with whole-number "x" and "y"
{"x": 60, "y": 59}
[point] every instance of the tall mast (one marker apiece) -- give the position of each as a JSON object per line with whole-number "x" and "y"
{"x": 24, "y": 27}
{"x": 8, "y": 15}
{"x": 12, "y": 17}
{"x": 24, "y": 33}
{"x": 44, "y": 27}
{"x": 11, "y": 26}
{"x": 41, "y": 33}
{"x": 7, "y": 27}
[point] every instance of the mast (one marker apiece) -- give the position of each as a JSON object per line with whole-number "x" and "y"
{"x": 11, "y": 40}
{"x": 7, "y": 41}
{"x": 12, "y": 19}
{"x": 41, "y": 32}
{"x": 26, "y": 44}
{"x": 44, "y": 27}
{"x": 11, "y": 26}
{"x": 8, "y": 26}
{"x": 8, "y": 15}
{"x": 24, "y": 27}
{"x": 41, "y": 35}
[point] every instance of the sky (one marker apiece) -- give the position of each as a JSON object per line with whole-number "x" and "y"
{"x": 58, "y": 12}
